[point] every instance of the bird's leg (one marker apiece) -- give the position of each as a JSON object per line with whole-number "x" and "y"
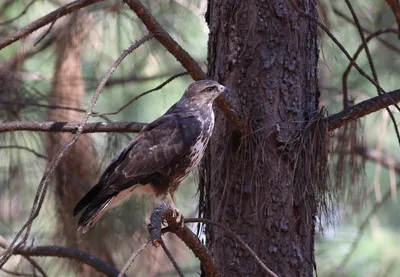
{"x": 176, "y": 211}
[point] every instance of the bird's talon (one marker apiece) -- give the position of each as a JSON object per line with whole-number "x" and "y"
{"x": 181, "y": 221}
{"x": 179, "y": 217}
{"x": 177, "y": 213}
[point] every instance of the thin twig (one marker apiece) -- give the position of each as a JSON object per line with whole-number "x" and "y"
{"x": 171, "y": 258}
{"x": 4, "y": 244}
{"x": 37, "y": 154}
{"x": 141, "y": 95}
{"x": 381, "y": 40}
{"x": 71, "y": 127}
{"x": 355, "y": 56}
{"x": 36, "y": 266}
{"x": 364, "y": 44}
{"x": 45, "y": 33}
{"x": 43, "y": 21}
{"x": 20, "y": 14}
{"x": 13, "y": 63}
{"x": 47, "y": 106}
{"x": 132, "y": 258}
{"x": 241, "y": 242}
{"x": 45, "y": 181}
{"x": 134, "y": 78}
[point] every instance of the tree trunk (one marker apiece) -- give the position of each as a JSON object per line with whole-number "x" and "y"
{"x": 260, "y": 184}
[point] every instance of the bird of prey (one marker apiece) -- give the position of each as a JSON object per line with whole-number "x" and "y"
{"x": 158, "y": 159}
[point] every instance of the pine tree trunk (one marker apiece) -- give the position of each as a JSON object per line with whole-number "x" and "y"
{"x": 267, "y": 55}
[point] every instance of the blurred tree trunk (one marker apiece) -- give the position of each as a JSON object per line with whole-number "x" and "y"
{"x": 259, "y": 183}
{"x": 76, "y": 172}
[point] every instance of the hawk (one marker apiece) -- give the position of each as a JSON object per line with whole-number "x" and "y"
{"x": 158, "y": 159}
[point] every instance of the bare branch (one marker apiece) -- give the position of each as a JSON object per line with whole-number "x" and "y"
{"x": 135, "y": 78}
{"x": 132, "y": 258}
{"x": 115, "y": 81}
{"x": 361, "y": 109}
{"x": 44, "y": 34}
{"x": 36, "y": 266}
{"x": 63, "y": 252}
{"x": 171, "y": 258}
{"x": 166, "y": 40}
{"x": 142, "y": 94}
{"x": 71, "y": 127}
{"x": 43, "y": 21}
{"x": 163, "y": 211}
{"x": 45, "y": 181}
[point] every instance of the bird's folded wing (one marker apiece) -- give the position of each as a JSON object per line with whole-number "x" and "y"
{"x": 160, "y": 145}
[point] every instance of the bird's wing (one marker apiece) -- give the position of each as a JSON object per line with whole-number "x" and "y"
{"x": 161, "y": 144}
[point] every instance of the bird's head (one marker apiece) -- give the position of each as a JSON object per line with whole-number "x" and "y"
{"x": 204, "y": 92}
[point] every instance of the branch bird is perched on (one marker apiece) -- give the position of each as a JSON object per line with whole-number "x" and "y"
{"x": 159, "y": 157}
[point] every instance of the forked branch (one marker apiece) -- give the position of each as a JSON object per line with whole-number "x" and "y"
{"x": 163, "y": 211}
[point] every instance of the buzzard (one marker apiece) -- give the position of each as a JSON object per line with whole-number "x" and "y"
{"x": 158, "y": 159}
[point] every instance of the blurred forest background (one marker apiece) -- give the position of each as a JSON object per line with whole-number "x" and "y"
{"x": 39, "y": 83}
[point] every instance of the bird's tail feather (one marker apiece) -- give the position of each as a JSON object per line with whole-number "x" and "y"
{"x": 87, "y": 199}
{"x": 92, "y": 214}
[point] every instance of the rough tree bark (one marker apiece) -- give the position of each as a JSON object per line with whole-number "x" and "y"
{"x": 76, "y": 172}
{"x": 254, "y": 183}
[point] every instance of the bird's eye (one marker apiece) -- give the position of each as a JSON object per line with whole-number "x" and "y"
{"x": 210, "y": 89}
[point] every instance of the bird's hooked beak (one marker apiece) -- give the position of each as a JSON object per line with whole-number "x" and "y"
{"x": 223, "y": 89}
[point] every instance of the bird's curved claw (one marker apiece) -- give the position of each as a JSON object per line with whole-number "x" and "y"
{"x": 179, "y": 217}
